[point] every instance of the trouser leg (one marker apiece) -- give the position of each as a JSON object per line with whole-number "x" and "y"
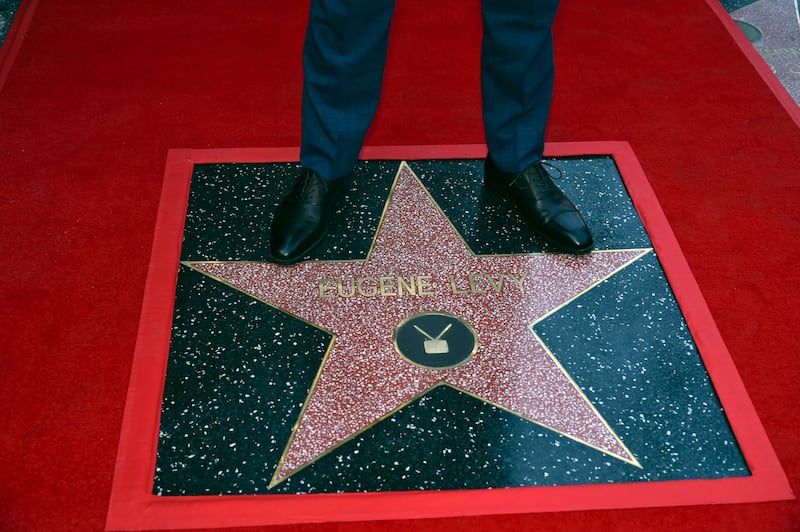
{"x": 517, "y": 78}
{"x": 343, "y": 62}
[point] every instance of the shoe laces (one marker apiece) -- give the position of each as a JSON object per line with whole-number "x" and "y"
{"x": 309, "y": 186}
{"x": 537, "y": 177}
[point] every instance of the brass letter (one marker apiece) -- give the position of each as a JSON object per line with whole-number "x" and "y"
{"x": 455, "y": 289}
{"x": 519, "y": 280}
{"x": 326, "y": 291}
{"x": 409, "y": 286}
{"x": 351, "y": 286}
{"x": 474, "y": 279}
{"x": 497, "y": 285}
{"x": 373, "y": 289}
{"x": 424, "y": 285}
{"x": 386, "y": 286}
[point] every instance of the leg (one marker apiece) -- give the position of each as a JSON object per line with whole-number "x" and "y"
{"x": 517, "y": 84}
{"x": 517, "y": 78}
{"x": 343, "y": 62}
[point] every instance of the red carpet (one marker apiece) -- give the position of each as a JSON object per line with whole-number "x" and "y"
{"x": 100, "y": 91}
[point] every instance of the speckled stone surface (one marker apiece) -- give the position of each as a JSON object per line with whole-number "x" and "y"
{"x": 733, "y": 5}
{"x": 8, "y": 8}
{"x": 231, "y": 206}
{"x": 778, "y": 22}
{"x": 241, "y": 372}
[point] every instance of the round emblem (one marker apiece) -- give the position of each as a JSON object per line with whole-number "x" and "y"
{"x": 435, "y": 340}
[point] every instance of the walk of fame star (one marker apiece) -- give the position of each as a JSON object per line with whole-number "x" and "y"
{"x": 419, "y": 266}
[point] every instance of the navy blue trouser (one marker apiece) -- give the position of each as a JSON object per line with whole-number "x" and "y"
{"x": 343, "y": 63}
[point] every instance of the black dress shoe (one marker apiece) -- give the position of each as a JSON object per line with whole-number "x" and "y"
{"x": 548, "y": 211}
{"x": 302, "y": 218}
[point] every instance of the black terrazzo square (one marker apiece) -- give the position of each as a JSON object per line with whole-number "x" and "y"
{"x": 239, "y": 370}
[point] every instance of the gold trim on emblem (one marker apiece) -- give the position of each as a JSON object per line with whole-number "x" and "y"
{"x": 437, "y": 345}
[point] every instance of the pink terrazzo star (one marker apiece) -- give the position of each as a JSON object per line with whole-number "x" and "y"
{"x": 419, "y": 263}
